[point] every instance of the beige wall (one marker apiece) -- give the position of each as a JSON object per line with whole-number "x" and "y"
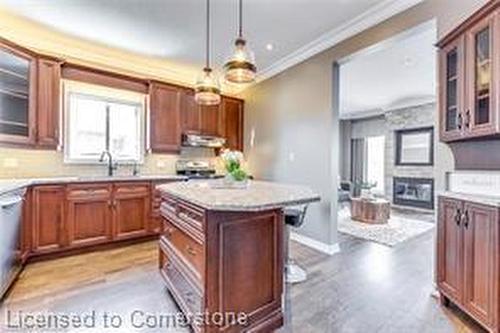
{"x": 291, "y": 120}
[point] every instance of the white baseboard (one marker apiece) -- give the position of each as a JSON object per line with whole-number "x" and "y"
{"x": 314, "y": 244}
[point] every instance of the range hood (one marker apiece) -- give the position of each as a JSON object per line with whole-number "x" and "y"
{"x": 201, "y": 140}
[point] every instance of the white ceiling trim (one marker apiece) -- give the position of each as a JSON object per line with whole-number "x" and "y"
{"x": 371, "y": 17}
{"x": 379, "y": 112}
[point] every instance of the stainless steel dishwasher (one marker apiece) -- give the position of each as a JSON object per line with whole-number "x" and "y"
{"x": 11, "y": 208}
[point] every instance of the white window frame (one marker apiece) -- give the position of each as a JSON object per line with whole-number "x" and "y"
{"x": 106, "y": 94}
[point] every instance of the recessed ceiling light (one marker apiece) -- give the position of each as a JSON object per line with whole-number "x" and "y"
{"x": 269, "y": 47}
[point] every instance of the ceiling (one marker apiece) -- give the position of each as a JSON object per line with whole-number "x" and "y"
{"x": 174, "y": 29}
{"x": 397, "y": 73}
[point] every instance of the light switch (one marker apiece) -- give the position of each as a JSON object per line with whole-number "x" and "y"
{"x": 291, "y": 156}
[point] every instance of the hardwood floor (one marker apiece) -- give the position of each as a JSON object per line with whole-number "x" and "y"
{"x": 365, "y": 288}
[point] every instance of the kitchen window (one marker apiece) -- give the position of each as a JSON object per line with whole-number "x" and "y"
{"x": 102, "y": 119}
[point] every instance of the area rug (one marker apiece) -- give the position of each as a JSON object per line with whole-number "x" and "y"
{"x": 398, "y": 230}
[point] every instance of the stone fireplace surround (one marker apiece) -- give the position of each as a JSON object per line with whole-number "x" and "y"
{"x": 407, "y": 118}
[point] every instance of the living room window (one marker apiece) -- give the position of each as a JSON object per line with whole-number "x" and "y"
{"x": 102, "y": 119}
{"x": 375, "y": 161}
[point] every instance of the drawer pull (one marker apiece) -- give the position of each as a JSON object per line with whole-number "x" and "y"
{"x": 190, "y": 250}
{"x": 169, "y": 231}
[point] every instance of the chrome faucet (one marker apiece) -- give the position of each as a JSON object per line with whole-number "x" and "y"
{"x": 111, "y": 167}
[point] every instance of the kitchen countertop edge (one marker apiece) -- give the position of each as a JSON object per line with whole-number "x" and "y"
{"x": 10, "y": 185}
{"x": 475, "y": 198}
{"x": 312, "y": 197}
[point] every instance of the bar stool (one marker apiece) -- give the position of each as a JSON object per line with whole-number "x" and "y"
{"x": 294, "y": 218}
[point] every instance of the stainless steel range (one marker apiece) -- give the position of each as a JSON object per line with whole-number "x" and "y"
{"x": 197, "y": 169}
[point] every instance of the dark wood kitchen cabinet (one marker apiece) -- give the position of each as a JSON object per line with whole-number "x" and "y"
{"x": 17, "y": 94}
{"x": 200, "y": 119}
{"x": 467, "y": 259}
{"x": 48, "y": 228}
{"x": 165, "y": 117}
{"x": 210, "y": 264}
{"x": 131, "y": 210}
{"x": 89, "y": 214}
{"x": 469, "y": 61}
{"x": 49, "y": 79}
{"x": 232, "y": 122}
{"x": 210, "y": 120}
{"x": 190, "y": 113}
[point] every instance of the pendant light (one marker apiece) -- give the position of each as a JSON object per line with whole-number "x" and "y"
{"x": 240, "y": 68}
{"x": 207, "y": 90}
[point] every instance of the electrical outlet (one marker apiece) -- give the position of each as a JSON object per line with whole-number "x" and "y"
{"x": 161, "y": 164}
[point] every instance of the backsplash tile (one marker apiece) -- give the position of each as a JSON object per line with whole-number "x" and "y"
{"x": 27, "y": 163}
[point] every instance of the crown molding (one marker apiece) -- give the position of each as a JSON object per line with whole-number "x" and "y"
{"x": 368, "y": 19}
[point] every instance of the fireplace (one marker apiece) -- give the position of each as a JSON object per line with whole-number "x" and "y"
{"x": 414, "y": 192}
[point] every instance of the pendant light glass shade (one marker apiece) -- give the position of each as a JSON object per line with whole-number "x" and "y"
{"x": 240, "y": 67}
{"x": 207, "y": 89}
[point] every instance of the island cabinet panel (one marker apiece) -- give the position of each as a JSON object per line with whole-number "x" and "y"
{"x": 49, "y": 78}
{"x": 48, "y": 218}
{"x": 89, "y": 214}
{"x": 468, "y": 267}
{"x": 165, "y": 122}
{"x": 469, "y": 67}
{"x": 131, "y": 210}
{"x": 211, "y": 264}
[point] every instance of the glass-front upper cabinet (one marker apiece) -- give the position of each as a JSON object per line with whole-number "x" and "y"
{"x": 16, "y": 95}
{"x": 480, "y": 116}
{"x": 452, "y": 76}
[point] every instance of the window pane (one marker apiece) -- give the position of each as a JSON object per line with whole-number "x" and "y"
{"x": 87, "y": 130}
{"x": 375, "y": 171}
{"x": 125, "y": 129}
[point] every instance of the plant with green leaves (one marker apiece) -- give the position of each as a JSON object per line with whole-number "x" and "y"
{"x": 233, "y": 160}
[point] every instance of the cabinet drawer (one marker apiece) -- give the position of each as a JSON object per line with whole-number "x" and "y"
{"x": 88, "y": 191}
{"x": 191, "y": 215}
{"x": 132, "y": 189}
{"x": 188, "y": 297}
{"x": 190, "y": 250}
{"x": 169, "y": 204}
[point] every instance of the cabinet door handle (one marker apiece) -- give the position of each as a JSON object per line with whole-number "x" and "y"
{"x": 169, "y": 232}
{"x": 465, "y": 219}
{"x": 467, "y": 119}
{"x": 458, "y": 217}
{"x": 190, "y": 251}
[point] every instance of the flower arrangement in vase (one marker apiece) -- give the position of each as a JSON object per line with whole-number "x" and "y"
{"x": 235, "y": 175}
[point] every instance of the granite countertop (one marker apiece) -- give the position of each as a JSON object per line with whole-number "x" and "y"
{"x": 257, "y": 196}
{"x": 488, "y": 200}
{"x": 8, "y": 185}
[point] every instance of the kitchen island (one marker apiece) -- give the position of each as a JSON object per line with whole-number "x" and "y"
{"x": 221, "y": 252}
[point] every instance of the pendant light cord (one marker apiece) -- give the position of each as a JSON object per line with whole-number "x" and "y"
{"x": 208, "y": 36}
{"x": 240, "y": 28}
